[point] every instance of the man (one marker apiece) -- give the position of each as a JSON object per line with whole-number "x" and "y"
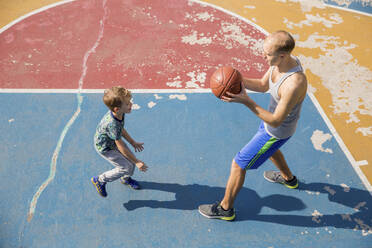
{"x": 287, "y": 84}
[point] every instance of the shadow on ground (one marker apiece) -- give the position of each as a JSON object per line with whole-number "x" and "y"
{"x": 249, "y": 204}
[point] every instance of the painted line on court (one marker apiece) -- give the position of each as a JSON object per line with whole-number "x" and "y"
{"x": 53, "y": 164}
{"x": 349, "y": 10}
{"x": 100, "y": 91}
{"x": 355, "y": 164}
{"x": 233, "y": 14}
{"x": 33, "y": 13}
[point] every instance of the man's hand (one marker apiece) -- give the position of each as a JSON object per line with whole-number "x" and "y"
{"x": 138, "y": 147}
{"x": 242, "y": 97}
{"x": 141, "y": 166}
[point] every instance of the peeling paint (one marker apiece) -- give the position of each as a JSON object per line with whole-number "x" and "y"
{"x": 151, "y": 104}
{"x": 157, "y": 97}
{"x": 176, "y": 82}
{"x": 366, "y": 131}
{"x": 329, "y": 190}
{"x": 311, "y": 19}
{"x": 233, "y": 32}
{"x": 196, "y": 77}
{"x": 136, "y": 106}
{"x": 349, "y": 83}
{"x": 312, "y": 193}
{"x": 345, "y": 187}
{"x": 319, "y": 138}
{"x": 181, "y": 97}
{"x": 366, "y": 229}
{"x": 193, "y": 39}
{"x": 307, "y": 5}
{"x": 360, "y": 205}
{"x": 316, "y": 216}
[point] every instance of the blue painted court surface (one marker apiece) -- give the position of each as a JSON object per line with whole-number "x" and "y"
{"x": 189, "y": 145}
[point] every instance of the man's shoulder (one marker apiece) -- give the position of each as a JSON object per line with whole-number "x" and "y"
{"x": 296, "y": 84}
{"x": 297, "y": 80}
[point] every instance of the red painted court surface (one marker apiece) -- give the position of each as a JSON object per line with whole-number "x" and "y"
{"x": 139, "y": 44}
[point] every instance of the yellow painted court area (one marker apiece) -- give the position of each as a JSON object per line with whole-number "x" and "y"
{"x": 333, "y": 44}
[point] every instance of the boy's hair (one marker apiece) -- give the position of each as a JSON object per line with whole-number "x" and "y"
{"x": 113, "y": 97}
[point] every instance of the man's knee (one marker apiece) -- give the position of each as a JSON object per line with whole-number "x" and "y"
{"x": 236, "y": 168}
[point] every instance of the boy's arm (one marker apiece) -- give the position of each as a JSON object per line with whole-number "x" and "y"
{"x": 125, "y": 151}
{"x": 126, "y": 136}
{"x": 129, "y": 155}
{"x": 138, "y": 147}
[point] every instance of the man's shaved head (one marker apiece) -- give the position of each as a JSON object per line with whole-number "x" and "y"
{"x": 282, "y": 41}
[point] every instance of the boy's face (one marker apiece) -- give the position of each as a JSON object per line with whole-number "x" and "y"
{"x": 126, "y": 106}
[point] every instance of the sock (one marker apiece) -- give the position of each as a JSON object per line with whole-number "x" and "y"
{"x": 294, "y": 178}
{"x": 223, "y": 208}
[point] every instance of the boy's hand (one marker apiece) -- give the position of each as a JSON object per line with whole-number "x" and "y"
{"x": 141, "y": 166}
{"x": 138, "y": 147}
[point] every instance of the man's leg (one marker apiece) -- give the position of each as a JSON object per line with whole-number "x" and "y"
{"x": 225, "y": 210}
{"x": 284, "y": 175}
{"x": 233, "y": 186}
{"x": 279, "y": 161}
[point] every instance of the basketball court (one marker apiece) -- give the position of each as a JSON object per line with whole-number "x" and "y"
{"x": 57, "y": 57}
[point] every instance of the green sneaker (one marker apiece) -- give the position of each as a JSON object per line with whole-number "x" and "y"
{"x": 215, "y": 211}
{"x": 276, "y": 177}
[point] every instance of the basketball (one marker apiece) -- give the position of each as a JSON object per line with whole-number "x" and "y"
{"x": 225, "y": 79}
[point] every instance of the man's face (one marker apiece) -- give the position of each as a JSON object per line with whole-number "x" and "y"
{"x": 272, "y": 58}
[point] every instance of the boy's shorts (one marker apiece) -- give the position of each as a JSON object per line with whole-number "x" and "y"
{"x": 261, "y": 147}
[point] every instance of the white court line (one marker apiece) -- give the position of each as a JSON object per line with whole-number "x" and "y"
{"x": 349, "y": 10}
{"x": 100, "y": 91}
{"x": 95, "y": 91}
{"x": 349, "y": 156}
{"x": 33, "y": 13}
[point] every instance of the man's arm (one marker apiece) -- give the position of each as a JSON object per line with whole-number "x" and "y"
{"x": 292, "y": 92}
{"x": 258, "y": 85}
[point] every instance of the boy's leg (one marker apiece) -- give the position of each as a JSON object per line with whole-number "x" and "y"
{"x": 122, "y": 166}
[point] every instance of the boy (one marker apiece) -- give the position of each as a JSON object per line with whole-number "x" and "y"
{"x": 110, "y": 146}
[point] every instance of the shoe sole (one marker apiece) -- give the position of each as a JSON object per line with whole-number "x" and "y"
{"x": 218, "y": 217}
{"x": 95, "y": 185}
{"x": 287, "y": 185}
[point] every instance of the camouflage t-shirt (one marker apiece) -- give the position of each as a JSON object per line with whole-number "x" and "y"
{"x": 108, "y": 130}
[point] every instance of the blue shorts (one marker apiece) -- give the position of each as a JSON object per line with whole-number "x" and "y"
{"x": 261, "y": 147}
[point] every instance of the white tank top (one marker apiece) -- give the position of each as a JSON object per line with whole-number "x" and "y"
{"x": 288, "y": 126}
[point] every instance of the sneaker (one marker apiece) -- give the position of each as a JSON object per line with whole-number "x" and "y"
{"x": 215, "y": 211}
{"x": 100, "y": 187}
{"x": 276, "y": 177}
{"x": 130, "y": 182}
